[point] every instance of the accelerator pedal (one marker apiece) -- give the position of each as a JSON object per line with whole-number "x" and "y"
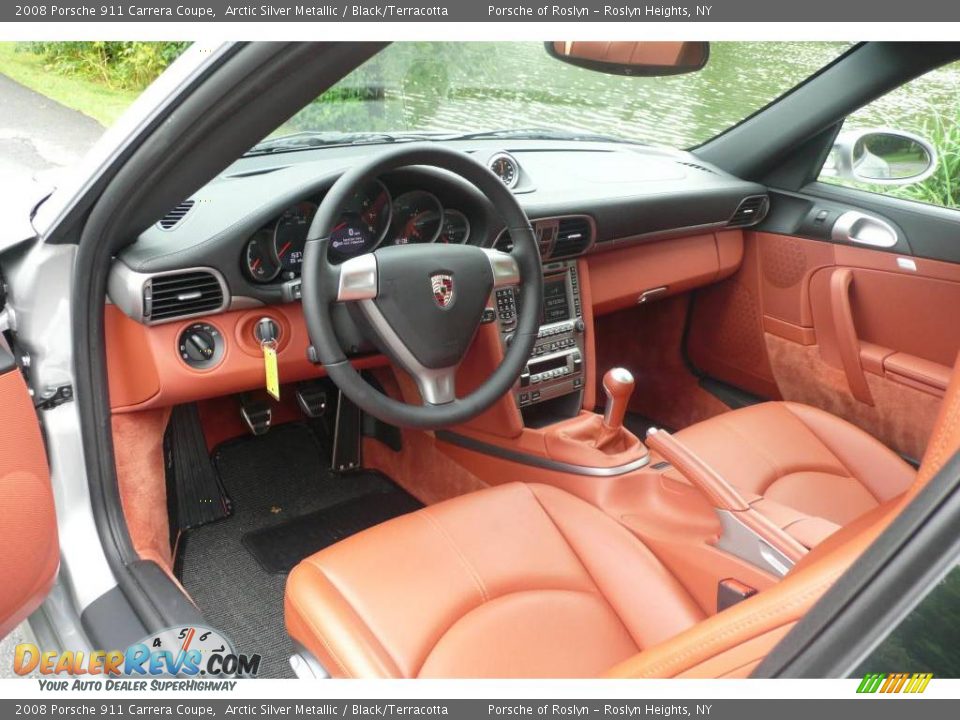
{"x": 195, "y": 495}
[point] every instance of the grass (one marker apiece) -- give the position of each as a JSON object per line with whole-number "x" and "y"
{"x": 101, "y": 103}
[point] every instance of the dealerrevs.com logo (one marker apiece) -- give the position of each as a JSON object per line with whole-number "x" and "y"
{"x": 197, "y": 654}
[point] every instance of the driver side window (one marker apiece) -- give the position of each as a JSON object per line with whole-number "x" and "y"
{"x": 905, "y": 144}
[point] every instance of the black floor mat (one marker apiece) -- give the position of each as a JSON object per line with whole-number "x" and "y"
{"x": 272, "y": 481}
{"x": 278, "y": 548}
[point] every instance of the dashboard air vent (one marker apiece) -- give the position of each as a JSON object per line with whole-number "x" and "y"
{"x": 178, "y": 295}
{"x": 574, "y": 235}
{"x": 504, "y": 243}
{"x": 750, "y": 211}
{"x": 175, "y": 216}
{"x": 697, "y": 166}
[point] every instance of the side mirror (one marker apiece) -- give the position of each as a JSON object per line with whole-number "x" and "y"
{"x": 640, "y": 59}
{"x": 881, "y": 157}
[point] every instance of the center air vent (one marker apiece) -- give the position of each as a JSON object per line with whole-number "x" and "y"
{"x": 574, "y": 236}
{"x": 750, "y": 211}
{"x": 182, "y": 294}
{"x": 175, "y": 216}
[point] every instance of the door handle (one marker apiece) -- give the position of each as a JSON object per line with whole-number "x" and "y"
{"x": 862, "y": 229}
{"x": 846, "y": 334}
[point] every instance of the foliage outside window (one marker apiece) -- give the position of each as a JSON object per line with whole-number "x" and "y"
{"x": 928, "y": 106}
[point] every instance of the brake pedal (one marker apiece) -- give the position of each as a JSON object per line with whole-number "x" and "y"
{"x": 312, "y": 399}
{"x": 256, "y": 414}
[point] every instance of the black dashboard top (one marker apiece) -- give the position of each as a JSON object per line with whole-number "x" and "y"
{"x": 631, "y": 193}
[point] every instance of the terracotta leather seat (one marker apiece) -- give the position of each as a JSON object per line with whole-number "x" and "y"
{"x": 514, "y": 581}
{"x": 527, "y": 580}
{"x": 793, "y": 462}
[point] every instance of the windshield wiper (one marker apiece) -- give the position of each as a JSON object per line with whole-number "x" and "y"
{"x": 540, "y": 134}
{"x": 311, "y": 139}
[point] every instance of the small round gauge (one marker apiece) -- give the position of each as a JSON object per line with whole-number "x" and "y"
{"x": 456, "y": 228}
{"x": 505, "y": 167}
{"x": 290, "y": 235}
{"x": 418, "y": 218}
{"x": 364, "y": 222}
{"x": 261, "y": 260}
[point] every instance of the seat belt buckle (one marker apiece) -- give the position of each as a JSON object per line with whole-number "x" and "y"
{"x": 731, "y": 591}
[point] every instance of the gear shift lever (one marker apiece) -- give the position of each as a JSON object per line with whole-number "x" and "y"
{"x": 618, "y": 385}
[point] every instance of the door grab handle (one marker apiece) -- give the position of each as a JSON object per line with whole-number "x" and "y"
{"x": 856, "y": 227}
{"x": 846, "y": 334}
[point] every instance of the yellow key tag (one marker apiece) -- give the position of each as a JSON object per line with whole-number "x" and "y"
{"x": 270, "y": 364}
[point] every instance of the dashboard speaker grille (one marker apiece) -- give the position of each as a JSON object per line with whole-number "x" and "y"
{"x": 181, "y": 294}
{"x": 176, "y": 216}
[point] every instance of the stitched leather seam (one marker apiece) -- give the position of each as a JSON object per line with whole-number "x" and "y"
{"x": 467, "y": 565}
{"x": 823, "y": 442}
{"x": 596, "y": 585}
{"x": 745, "y": 624}
{"x": 472, "y": 610}
{"x": 733, "y": 430}
{"x": 305, "y": 618}
{"x": 360, "y": 619}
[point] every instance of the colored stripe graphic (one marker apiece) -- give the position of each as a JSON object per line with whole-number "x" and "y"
{"x": 889, "y": 683}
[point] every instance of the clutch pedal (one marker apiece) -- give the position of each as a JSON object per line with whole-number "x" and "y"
{"x": 256, "y": 414}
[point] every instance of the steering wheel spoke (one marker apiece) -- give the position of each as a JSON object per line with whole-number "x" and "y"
{"x": 506, "y": 271}
{"x": 358, "y": 279}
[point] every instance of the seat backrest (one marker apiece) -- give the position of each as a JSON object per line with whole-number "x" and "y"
{"x": 732, "y": 643}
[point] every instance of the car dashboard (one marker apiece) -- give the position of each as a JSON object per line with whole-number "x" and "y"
{"x": 629, "y": 219}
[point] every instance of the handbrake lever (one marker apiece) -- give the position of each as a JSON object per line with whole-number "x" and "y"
{"x": 730, "y": 506}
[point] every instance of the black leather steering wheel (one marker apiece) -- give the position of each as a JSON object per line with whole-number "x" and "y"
{"x": 422, "y": 304}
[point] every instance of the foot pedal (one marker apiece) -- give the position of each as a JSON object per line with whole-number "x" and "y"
{"x": 195, "y": 495}
{"x": 346, "y": 436}
{"x": 312, "y": 399}
{"x": 256, "y": 414}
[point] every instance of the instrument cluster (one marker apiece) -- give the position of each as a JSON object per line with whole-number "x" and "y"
{"x": 372, "y": 217}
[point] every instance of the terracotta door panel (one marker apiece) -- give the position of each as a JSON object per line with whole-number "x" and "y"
{"x": 865, "y": 334}
{"x": 28, "y": 525}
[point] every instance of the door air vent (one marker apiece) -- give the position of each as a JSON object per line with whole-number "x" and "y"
{"x": 182, "y": 294}
{"x": 175, "y": 216}
{"x": 750, "y": 211}
{"x": 574, "y": 236}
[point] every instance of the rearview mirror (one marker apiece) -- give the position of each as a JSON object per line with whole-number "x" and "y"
{"x": 641, "y": 58}
{"x": 881, "y": 157}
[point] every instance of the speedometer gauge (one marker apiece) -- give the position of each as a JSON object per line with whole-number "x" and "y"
{"x": 418, "y": 218}
{"x": 261, "y": 261}
{"x": 363, "y": 223}
{"x": 290, "y": 235}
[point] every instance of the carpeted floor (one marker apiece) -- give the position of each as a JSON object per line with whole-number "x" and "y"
{"x": 273, "y": 481}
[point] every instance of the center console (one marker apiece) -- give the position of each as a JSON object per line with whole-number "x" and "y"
{"x": 555, "y": 368}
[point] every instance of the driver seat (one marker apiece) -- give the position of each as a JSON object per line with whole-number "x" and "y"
{"x": 530, "y": 581}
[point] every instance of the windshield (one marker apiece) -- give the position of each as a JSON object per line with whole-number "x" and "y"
{"x": 457, "y": 88}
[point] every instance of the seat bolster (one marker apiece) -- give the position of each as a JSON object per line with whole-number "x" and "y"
{"x": 337, "y": 637}
{"x": 622, "y": 568}
{"x": 875, "y": 466}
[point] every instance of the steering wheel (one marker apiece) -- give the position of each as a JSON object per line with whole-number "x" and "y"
{"x": 422, "y": 304}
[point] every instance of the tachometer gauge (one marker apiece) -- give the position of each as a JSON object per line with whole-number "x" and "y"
{"x": 418, "y": 218}
{"x": 363, "y": 224}
{"x": 290, "y": 235}
{"x": 260, "y": 260}
{"x": 456, "y": 228}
